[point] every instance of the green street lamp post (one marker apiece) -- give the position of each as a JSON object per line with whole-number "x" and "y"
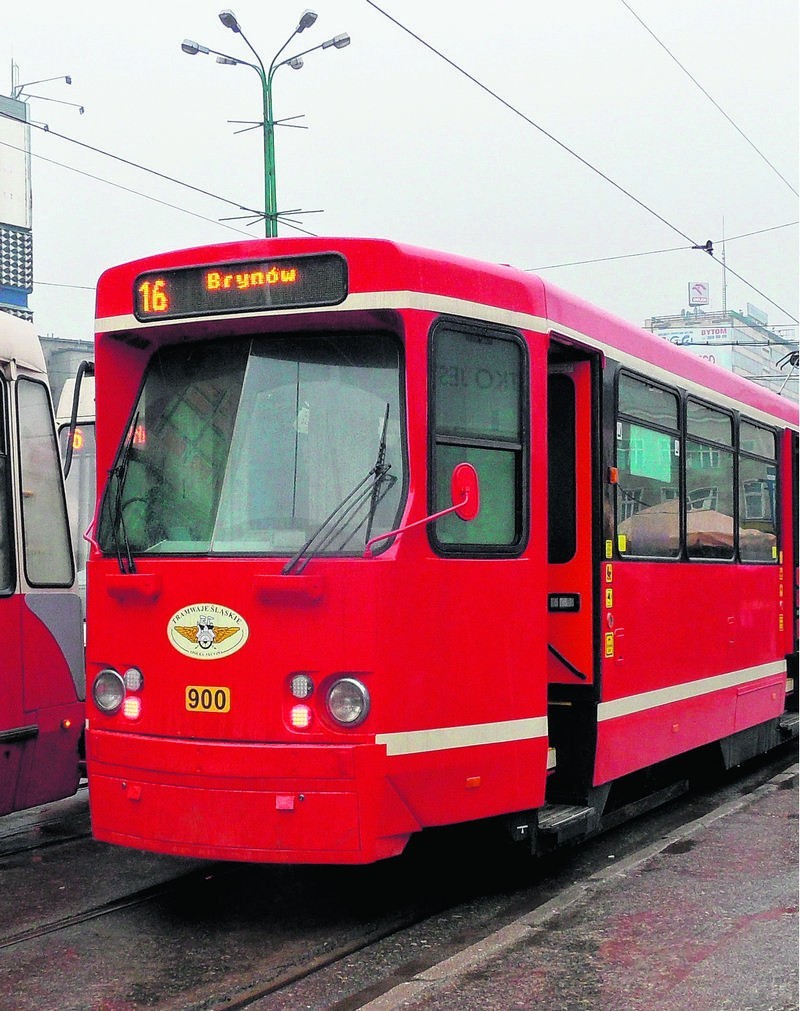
{"x": 229, "y": 20}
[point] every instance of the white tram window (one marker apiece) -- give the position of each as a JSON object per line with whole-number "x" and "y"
{"x": 758, "y": 480}
{"x": 251, "y": 446}
{"x": 478, "y": 387}
{"x": 48, "y": 551}
{"x": 648, "y": 462}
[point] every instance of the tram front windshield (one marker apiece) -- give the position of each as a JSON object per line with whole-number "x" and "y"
{"x": 251, "y": 446}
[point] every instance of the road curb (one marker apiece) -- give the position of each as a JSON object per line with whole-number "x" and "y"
{"x": 428, "y": 981}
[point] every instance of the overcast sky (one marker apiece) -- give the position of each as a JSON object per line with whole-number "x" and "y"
{"x": 401, "y": 145}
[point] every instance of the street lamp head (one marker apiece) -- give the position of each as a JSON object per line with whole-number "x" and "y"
{"x": 307, "y": 19}
{"x": 192, "y": 48}
{"x": 228, "y": 61}
{"x": 68, "y": 79}
{"x": 228, "y": 18}
{"x": 339, "y": 41}
{"x": 296, "y": 63}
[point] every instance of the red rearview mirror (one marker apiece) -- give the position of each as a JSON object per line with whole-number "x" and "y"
{"x": 465, "y": 491}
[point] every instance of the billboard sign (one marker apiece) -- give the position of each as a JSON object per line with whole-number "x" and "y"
{"x": 15, "y": 191}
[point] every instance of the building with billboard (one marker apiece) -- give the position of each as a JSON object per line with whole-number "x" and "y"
{"x": 16, "y": 236}
{"x": 740, "y": 341}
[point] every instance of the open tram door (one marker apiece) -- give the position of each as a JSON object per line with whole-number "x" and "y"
{"x": 573, "y": 424}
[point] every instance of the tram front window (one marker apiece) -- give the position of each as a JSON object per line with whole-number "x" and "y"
{"x": 247, "y": 446}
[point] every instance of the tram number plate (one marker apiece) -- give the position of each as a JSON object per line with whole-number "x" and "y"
{"x": 204, "y": 699}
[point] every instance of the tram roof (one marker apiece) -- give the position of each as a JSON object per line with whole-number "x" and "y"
{"x": 497, "y": 291}
{"x": 20, "y": 343}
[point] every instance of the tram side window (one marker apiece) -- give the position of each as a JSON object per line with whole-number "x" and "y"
{"x": 478, "y": 390}
{"x": 758, "y": 530}
{"x": 709, "y": 482}
{"x": 6, "y": 567}
{"x": 648, "y": 465}
{"x": 561, "y": 477}
{"x": 48, "y": 551}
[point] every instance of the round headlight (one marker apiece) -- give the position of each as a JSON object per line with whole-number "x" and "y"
{"x": 108, "y": 691}
{"x": 301, "y": 686}
{"x": 133, "y": 679}
{"x": 348, "y": 702}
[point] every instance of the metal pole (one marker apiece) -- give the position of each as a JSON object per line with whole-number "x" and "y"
{"x": 270, "y": 208}
{"x": 270, "y": 182}
{"x": 270, "y": 195}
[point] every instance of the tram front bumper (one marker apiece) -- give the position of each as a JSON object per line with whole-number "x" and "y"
{"x": 273, "y": 803}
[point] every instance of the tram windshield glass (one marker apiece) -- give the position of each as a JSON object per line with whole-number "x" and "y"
{"x": 251, "y": 446}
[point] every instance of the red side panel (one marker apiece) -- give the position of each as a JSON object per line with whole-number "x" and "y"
{"x": 697, "y": 653}
{"x": 41, "y": 718}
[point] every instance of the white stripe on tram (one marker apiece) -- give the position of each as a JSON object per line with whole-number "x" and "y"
{"x": 414, "y": 742}
{"x": 474, "y": 310}
{"x": 691, "y": 690}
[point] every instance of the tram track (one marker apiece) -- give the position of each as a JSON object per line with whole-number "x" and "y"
{"x": 39, "y": 829}
{"x": 690, "y": 810}
{"x": 229, "y": 937}
{"x": 112, "y": 906}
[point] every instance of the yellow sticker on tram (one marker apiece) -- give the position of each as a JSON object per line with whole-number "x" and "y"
{"x": 206, "y": 699}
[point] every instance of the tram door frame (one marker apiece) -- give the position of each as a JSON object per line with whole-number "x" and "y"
{"x": 575, "y": 508}
{"x": 12, "y": 723}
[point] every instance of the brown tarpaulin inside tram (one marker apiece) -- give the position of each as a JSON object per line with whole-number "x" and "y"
{"x": 655, "y": 530}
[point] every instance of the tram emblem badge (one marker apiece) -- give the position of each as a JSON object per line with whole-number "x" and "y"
{"x": 207, "y": 631}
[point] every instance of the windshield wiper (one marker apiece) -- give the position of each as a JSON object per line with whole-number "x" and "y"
{"x": 373, "y": 486}
{"x": 380, "y": 469}
{"x": 120, "y": 472}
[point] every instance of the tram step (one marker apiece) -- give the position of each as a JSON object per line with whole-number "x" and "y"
{"x": 789, "y": 725}
{"x": 559, "y": 823}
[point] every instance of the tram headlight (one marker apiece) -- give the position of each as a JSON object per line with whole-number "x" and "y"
{"x": 301, "y": 717}
{"x": 108, "y": 691}
{"x": 301, "y": 686}
{"x": 348, "y": 702}
{"x": 133, "y": 679}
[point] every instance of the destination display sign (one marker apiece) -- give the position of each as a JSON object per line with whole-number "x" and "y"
{"x": 282, "y": 282}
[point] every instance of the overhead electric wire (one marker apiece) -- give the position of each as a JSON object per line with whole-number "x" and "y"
{"x": 119, "y": 186}
{"x": 716, "y": 104}
{"x": 656, "y": 252}
{"x": 564, "y": 147}
{"x": 57, "y": 284}
{"x": 144, "y": 168}
{"x": 528, "y": 120}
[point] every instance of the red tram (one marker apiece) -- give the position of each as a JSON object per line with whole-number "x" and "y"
{"x": 394, "y": 539}
{"x": 42, "y": 676}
